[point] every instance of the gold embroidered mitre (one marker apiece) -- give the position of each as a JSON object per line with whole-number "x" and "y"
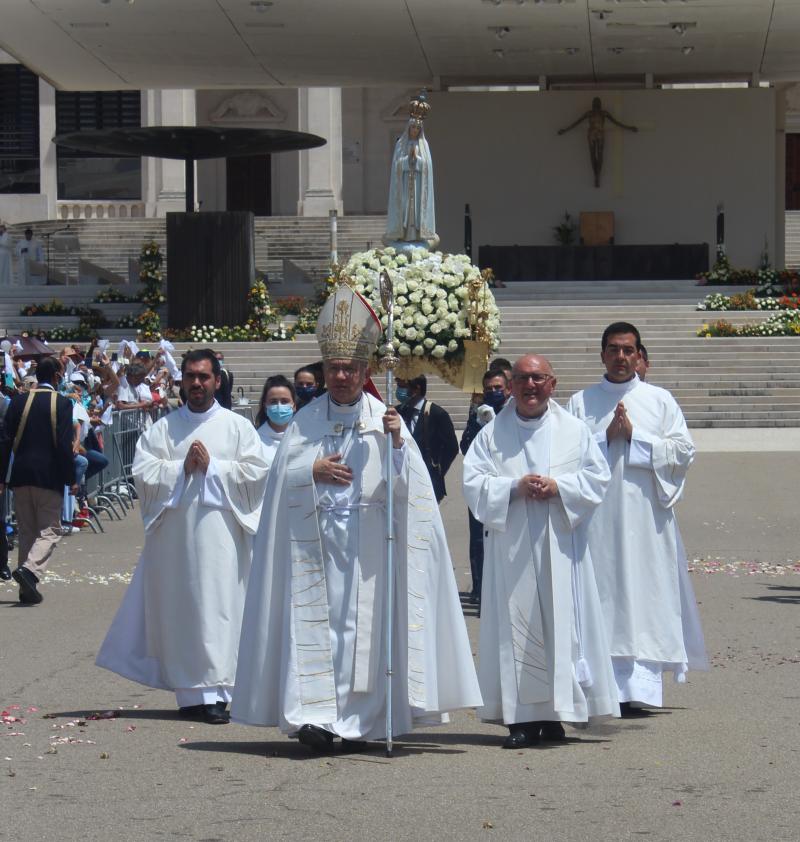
{"x": 347, "y": 327}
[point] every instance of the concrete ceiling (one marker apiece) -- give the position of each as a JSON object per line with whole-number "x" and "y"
{"x": 118, "y": 44}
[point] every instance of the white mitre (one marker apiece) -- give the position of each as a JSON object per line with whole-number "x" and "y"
{"x": 347, "y": 327}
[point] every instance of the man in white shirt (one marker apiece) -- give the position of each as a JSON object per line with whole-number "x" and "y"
{"x": 27, "y": 250}
{"x": 200, "y": 475}
{"x": 651, "y": 616}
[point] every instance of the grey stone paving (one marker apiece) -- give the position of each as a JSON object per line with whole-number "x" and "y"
{"x": 721, "y": 762}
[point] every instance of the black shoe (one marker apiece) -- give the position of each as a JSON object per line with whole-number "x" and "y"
{"x": 191, "y": 711}
{"x": 317, "y": 739}
{"x": 553, "y": 732}
{"x": 353, "y": 746}
{"x": 627, "y": 711}
{"x": 27, "y": 582}
{"x": 521, "y": 736}
{"x": 212, "y": 715}
{"x": 5, "y": 572}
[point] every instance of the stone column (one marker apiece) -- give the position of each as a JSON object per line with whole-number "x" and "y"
{"x": 163, "y": 179}
{"x": 320, "y": 112}
{"x": 48, "y": 174}
{"x": 778, "y": 246}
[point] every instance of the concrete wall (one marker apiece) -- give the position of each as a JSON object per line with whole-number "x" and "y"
{"x": 501, "y": 153}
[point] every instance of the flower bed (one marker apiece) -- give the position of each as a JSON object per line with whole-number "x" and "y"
{"x": 781, "y": 323}
{"x": 742, "y": 301}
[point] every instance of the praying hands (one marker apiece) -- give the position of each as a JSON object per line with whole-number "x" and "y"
{"x": 620, "y": 424}
{"x": 197, "y": 459}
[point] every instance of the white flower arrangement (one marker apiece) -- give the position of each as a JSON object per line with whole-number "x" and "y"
{"x": 433, "y": 313}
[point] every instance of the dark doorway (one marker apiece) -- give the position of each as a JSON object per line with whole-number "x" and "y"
{"x": 793, "y": 172}
{"x": 249, "y": 185}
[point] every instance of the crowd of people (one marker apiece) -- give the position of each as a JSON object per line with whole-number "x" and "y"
{"x": 272, "y": 610}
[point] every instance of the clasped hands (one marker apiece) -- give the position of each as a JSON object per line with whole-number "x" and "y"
{"x": 332, "y": 470}
{"x": 537, "y": 487}
{"x": 620, "y": 424}
{"x": 197, "y": 459}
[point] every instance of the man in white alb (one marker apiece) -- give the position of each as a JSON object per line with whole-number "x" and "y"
{"x": 312, "y": 657}
{"x": 200, "y": 474}
{"x": 533, "y": 476}
{"x": 648, "y": 602}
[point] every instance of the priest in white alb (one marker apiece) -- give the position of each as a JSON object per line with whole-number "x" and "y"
{"x": 533, "y": 476}
{"x": 200, "y": 474}
{"x": 649, "y": 607}
{"x": 312, "y": 658}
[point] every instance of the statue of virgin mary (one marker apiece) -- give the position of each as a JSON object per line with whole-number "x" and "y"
{"x": 411, "y": 219}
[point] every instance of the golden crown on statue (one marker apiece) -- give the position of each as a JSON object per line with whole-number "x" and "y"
{"x": 419, "y": 107}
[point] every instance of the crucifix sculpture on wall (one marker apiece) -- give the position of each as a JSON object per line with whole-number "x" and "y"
{"x": 596, "y": 133}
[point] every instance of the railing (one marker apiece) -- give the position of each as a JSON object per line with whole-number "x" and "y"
{"x": 111, "y": 492}
{"x": 100, "y": 210}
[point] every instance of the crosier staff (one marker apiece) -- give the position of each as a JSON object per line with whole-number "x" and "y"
{"x": 389, "y": 362}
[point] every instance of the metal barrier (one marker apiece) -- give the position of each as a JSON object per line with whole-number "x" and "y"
{"x": 111, "y": 491}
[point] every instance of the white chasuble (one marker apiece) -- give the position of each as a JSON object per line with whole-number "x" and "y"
{"x": 648, "y": 600}
{"x": 179, "y": 622}
{"x": 543, "y": 652}
{"x": 313, "y": 632}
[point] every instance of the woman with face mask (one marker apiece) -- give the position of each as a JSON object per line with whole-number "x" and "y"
{"x": 277, "y": 406}
{"x": 306, "y": 384}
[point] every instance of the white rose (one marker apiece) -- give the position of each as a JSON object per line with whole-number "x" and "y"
{"x": 421, "y": 321}
{"x": 400, "y": 288}
{"x": 451, "y": 318}
{"x": 452, "y": 345}
{"x": 435, "y": 329}
{"x": 439, "y": 351}
{"x": 401, "y": 259}
{"x": 427, "y": 307}
{"x": 441, "y": 293}
{"x": 411, "y": 333}
{"x": 412, "y": 284}
{"x": 429, "y": 343}
{"x": 404, "y": 350}
{"x": 401, "y": 301}
{"x": 386, "y": 260}
{"x": 416, "y": 297}
{"x": 418, "y": 351}
{"x": 408, "y": 321}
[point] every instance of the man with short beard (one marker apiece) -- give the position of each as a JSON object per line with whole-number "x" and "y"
{"x": 651, "y": 616}
{"x": 200, "y": 474}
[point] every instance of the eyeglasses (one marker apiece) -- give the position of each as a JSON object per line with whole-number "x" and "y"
{"x": 537, "y": 378}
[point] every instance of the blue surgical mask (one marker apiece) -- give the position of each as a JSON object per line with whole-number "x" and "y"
{"x": 306, "y": 392}
{"x": 494, "y": 399}
{"x": 280, "y": 413}
{"x": 401, "y": 394}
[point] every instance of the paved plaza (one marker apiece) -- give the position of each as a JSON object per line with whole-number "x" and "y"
{"x": 721, "y": 761}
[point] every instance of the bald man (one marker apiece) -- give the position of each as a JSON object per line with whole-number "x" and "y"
{"x": 533, "y": 477}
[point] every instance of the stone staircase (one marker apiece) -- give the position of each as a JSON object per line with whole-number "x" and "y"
{"x": 113, "y": 243}
{"x": 744, "y": 382}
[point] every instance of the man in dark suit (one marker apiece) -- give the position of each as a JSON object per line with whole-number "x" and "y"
{"x": 431, "y": 427}
{"x": 38, "y": 429}
{"x": 224, "y": 395}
